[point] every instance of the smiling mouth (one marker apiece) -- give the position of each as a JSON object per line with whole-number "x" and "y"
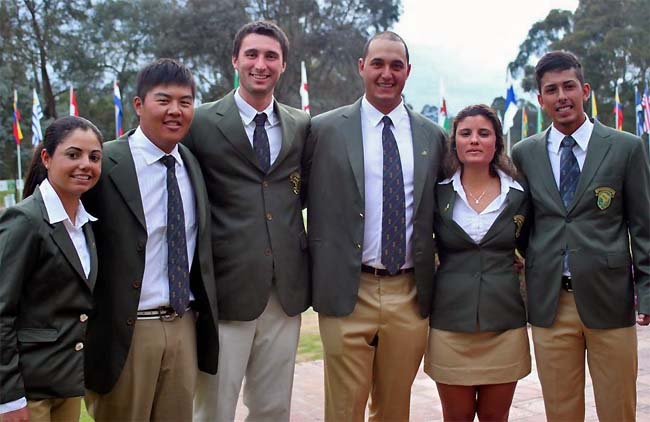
{"x": 259, "y": 77}
{"x": 564, "y": 108}
{"x": 173, "y": 124}
{"x": 81, "y": 176}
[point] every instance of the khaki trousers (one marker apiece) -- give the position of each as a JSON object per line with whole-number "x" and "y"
{"x": 55, "y": 410}
{"x": 560, "y": 356}
{"x": 376, "y": 351}
{"x": 159, "y": 376}
{"x": 261, "y": 351}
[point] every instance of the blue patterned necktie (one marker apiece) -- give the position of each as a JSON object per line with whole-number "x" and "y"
{"x": 261, "y": 142}
{"x": 393, "y": 221}
{"x": 177, "y": 266}
{"x": 569, "y": 176}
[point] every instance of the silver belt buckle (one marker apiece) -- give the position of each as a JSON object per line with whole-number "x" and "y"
{"x": 167, "y": 317}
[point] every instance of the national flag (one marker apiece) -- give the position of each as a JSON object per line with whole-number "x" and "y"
{"x": 37, "y": 115}
{"x": 645, "y": 102}
{"x": 304, "y": 88}
{"x": 510, "y": 110}
{"x": 524, "y": 122}
{"x": 235, "y": 82}
{"x": 117, "y": 101}
{"x": 618, "y": 111}
{"x": 594, "y": 106}
{"x": 74, "y": 110}
{"x": 18, "y": 134}
{"x": 540, "y": 119}
{"x": 443, "y": 116}
{"x": 639, "y": 112}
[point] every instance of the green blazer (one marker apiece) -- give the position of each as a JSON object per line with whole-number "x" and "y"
{"x": 477, "y": 282}
{"x": 336, "y": 207}
{"x": 258, "y": 235}
{"x": 45, "y": 299}
{"x": 609, "y": 217}
{"x": 121, "y": 240}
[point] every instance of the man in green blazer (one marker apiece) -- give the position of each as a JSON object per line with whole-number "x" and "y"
{"x": 589, "y": 248}
{"x": 150, "y": 336}
{"x": 250, "y": 148}
{"x": 372, "y": 171}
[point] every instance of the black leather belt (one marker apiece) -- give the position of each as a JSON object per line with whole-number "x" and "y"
{"x": 566, "y": 283}
{"x": 380, "y": 272}
{"x": 164, "y": 313}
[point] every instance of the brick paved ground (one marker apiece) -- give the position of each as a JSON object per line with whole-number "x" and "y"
{"x": 307, "y": 404}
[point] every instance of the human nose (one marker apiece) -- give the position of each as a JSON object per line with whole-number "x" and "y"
{"x": 174, "y": 108}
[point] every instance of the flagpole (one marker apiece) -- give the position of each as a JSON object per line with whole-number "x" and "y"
{"x": 19, "y": 185}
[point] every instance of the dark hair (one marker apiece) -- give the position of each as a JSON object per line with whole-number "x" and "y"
{"x": 386, "y": 35}
{"x": 55, "y": 134}
{"x": 500, "y": 160}
{"x": 557, "y": 61}
{"x": 163, "y": 72}
{"x": 266, "y": 28}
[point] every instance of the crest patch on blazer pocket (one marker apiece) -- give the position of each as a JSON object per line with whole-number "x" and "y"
{"x": 519, "y": 223}
{"x": 294, "y": 179}
{"x": 604, "y": 196}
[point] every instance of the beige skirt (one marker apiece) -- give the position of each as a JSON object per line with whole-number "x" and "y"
{"x": 477, "y": 358}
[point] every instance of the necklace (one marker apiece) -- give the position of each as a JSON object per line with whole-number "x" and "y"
{"x": 475, "y": 199}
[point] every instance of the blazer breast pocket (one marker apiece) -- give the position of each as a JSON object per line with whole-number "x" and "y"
{"x": 37, "y": 335}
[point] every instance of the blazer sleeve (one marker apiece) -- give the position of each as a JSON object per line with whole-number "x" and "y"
{"x": 637, "y": 208}
{"x": 18, "y": 255}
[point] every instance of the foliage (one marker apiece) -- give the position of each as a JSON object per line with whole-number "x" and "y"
{"x": 612, "y": 40}
{"x": 53, "y": 44}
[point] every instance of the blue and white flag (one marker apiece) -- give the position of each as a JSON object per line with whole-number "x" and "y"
{"x": 639, "y": 112}
{"x": 510, "y": 110}
{"x": 117, "y": 101}
{"x": 37, "y": 115}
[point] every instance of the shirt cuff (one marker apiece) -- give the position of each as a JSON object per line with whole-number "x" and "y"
{"x": 13, "y": 405}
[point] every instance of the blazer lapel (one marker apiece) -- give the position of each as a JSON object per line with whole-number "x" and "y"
{"x": 125, "y": 179}
{"x": 543, "y": 170}
{"x": 92, "y": 249}
{"x": 421, "y": 162}
{"x": 446, "y": 201}
{"x": 351, "y": 130}
{"x": 196, "y": 178}
{"x": 229, "y": 123}
{"x": 599, "y": 145}
{"x": 288, "y": 125}
{"x": 61, "y": 238}
{"x": 513, "y": 201}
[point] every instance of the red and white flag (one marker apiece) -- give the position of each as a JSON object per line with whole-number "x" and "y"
{"x": 304, "y": 88}
{"x": 74, "y": 110}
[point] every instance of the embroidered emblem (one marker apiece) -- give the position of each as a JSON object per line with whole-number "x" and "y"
{"x": 294, "y": 178}
{"x": 519, "y": 223}
{"x": 604, "y": 197}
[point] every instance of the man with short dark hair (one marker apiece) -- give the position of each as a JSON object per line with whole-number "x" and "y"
{"x": 155, "y": 322}
{"x": 590, "y": 194}
{"x": 373, "y": 169}
{"x": 250, "y": 148}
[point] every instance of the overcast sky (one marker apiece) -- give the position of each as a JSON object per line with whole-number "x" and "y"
{"x": 467, "y": 43}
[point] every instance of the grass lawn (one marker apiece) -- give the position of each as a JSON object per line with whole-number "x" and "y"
{"x": 309, "y": 347}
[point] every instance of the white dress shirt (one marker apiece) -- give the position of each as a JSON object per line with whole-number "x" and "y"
{"x": 272, "y": 125}
{"x": 555, "y": 137}
{"x": 477, "y": 224}
{"x": 152, "y": 181}
{"x": 373, "y": 165}
{"x": 57, "y": 214}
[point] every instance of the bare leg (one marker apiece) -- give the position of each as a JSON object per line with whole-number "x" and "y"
{"x": 494, "y": 401}
{"x": 458, "y": 402}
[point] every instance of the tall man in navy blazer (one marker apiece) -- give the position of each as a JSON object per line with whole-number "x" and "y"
{"x": 150, "y": 336}
{"x": 580, "y": 274}
{"x": 371, "y": 198}
{"x": 250, "y": 149}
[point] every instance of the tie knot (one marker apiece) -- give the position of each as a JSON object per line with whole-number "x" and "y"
{"x": 168, "y": 161}
{"x": 260, "y": 119}
{"x": 386, "y": 121}
{"x": 568, "y": 142}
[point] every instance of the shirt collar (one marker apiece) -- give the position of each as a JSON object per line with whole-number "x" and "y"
{"x": 374, "y": 116}
{"x": 248, "y": 112}
{"x": 581, "y": 136}
{"x": 148, "y": 150}
{"x": 506, "y": 182}
{"x": 54, "y": 207}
